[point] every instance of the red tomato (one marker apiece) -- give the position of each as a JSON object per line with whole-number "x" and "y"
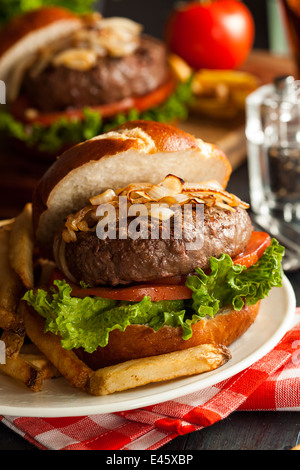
{"x": 257, "y": 244}
{"x": 138, "y": 292}
{"x": 168, "y": 289}
{"x": 212, "y": 34}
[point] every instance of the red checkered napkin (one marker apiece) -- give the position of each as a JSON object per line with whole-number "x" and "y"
{"x": 272, "y": 383}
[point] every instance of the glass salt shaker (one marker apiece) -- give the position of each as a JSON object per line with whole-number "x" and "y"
{"x": 273, "y": 148}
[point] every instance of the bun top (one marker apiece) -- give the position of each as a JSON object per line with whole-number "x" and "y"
{"x": 21, "y": 37}
{"x": 137, "y": 151}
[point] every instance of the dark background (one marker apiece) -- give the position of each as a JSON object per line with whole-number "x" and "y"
{"x": 153, "y": 14}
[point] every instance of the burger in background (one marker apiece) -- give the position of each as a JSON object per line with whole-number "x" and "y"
{"x": 70, "y": 77}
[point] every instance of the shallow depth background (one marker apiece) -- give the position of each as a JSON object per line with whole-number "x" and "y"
{"x": 153, "y": 14}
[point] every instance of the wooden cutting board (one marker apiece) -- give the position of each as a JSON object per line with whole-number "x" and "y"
{"x": 230, "y": 136}
{"x": 19, "y": 174}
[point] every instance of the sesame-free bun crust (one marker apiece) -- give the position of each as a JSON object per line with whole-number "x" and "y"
{"x": 25, "y": 34}
{"x": 138, "y": 151}
{"x": 141, "y": 341}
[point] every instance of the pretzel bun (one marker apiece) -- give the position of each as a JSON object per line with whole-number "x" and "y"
{"x": 141, "y": 341}
{"x": 138, "y": 151}
{"x": 25, "y": 34}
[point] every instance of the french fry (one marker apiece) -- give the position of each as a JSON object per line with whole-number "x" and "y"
{"x": 207, "y": 79}
{"x": 30, "y": 353}
{"x": 13, "y": 342}
{"x": 42, "y": 363}
{"x": 21, "y": 247}
{"x": 25, "y": 372}
{"x": 11, "y": 288}
{"x": 25, "y": 363}
{"x": 147, "y": 370}
{"x": 66, "y": 362}
{"x": 221, "y": 93}
{"x": 216, "y": 93}
{"x": 180, "y": 68}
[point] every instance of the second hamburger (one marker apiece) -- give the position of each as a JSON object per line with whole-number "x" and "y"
{"x": 70, "y": 77}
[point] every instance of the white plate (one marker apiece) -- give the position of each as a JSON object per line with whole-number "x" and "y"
{"x": 58, "y": 399}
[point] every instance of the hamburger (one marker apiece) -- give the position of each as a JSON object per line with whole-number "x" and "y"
{"x": 70, "y": 77}
{"x": 113, "y": 299}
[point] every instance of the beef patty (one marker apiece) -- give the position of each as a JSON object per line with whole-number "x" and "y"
{"x": 122, "y": 261}
{"x": 110, "y": 80}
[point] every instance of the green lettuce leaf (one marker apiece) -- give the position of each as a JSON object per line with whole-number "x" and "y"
{"x": 52, "y": 138}
{"x": 11, "y": 8}
{"x": 229, "y": 284}
{"x": 87, "y": 322}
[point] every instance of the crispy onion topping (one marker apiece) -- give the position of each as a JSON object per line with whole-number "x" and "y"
{"x": 97, "y": 38}
{"x": 157, "y": 198}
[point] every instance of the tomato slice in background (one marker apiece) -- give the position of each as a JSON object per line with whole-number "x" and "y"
{"x": 141, "y": 103}
{"x": 173, "y": 288}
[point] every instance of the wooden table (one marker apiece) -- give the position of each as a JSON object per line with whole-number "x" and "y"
{"x": 241, "y": 430}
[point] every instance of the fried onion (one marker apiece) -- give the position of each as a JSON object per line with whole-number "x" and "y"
{"x": 172, "y": 191}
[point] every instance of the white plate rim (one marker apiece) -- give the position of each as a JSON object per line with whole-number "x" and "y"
{"x": 176, "y": 389}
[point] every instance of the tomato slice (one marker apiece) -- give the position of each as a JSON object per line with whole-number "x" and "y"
{"x": 137, "y": 293}
{"x": 257, "y": 244}
{"x": 170, "y": 289}
{"x": 141, "y": 103}
{"x": 173, "y": 288}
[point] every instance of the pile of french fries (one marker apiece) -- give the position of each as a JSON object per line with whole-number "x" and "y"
{"x": 33, "y": 356}
{"x": 218, "y": 94}
{"x": 22, "y": 361}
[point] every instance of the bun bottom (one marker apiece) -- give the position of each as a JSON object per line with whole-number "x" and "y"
{"x": 141, "y": 341}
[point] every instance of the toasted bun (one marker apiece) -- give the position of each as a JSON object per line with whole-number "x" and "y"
{"x": 141, "y": 341}
{"x": 138, "y": 151}
{"x": 25, "y": 34}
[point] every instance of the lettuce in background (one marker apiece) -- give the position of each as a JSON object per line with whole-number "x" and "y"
{"x": 64, "y": 131}
{"x": 11, "y": 8}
